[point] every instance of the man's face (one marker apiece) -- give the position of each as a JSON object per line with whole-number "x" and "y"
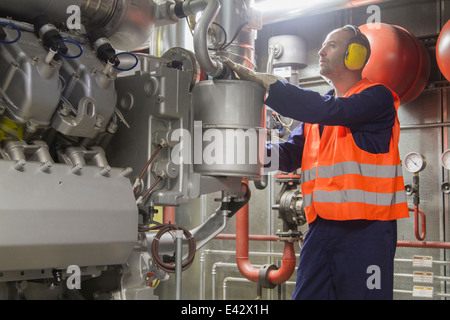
{"x": 332, "y": 53}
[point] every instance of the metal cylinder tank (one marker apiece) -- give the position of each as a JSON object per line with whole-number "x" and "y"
{"x": 289, "y": 50}
{"x": 230, "y": 116}
{"x": 398, "y": 60}
{"x": 443, "y": 50}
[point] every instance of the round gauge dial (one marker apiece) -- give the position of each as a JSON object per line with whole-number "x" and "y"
{"x": 445, "y": 159}
{"x": 414, "y": 162}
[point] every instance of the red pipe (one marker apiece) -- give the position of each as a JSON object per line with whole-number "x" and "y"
{"x": 287, "y": 267}
{"x": 169, "y": 215}
{"x": 417, "y": 211}
{"x": 421, "y": 237}
{"x": 424, "y": 244}
{"x": 254, "y": 237}
{"x": 242, "y": 257}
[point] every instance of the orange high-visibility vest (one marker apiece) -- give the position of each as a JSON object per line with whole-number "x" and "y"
{"x": 342, "y": 182}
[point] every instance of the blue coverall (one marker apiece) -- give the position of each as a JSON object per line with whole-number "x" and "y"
{"x": 341, "y": 259}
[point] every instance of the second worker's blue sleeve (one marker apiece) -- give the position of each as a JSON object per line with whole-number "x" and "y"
{"x": 288, "y": 153}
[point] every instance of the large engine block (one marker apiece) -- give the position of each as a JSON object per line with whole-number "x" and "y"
{"x": 61, "y": 202}
{"x": 88, "y": 137}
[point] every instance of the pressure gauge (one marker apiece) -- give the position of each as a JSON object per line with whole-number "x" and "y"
{"x": 414, "y": 162}
{"x": 445, "y": 159}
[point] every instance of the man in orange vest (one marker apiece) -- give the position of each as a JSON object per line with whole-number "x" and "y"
{"x": 352, "y": 183}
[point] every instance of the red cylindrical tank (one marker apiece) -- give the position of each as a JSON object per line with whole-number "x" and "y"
{"x": 398, "y": 60}
{"x": 443, "y": 51}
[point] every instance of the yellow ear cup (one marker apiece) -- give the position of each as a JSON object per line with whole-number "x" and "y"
{"x": 356, "y": 56}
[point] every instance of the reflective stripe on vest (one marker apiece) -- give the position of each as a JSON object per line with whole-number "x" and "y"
{"x": 372, "y": 198}
{"x": 353, "y": 167}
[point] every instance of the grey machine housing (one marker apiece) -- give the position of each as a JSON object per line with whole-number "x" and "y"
{"x": 75, "y": 133}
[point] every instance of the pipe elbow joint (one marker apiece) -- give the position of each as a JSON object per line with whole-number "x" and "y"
{"x": 287, "y": 266}
{"x": 215, "y": 69}
{"x": 246, "y": 269}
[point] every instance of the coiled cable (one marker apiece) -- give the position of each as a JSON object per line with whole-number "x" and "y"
{"x": 164, "y": 228}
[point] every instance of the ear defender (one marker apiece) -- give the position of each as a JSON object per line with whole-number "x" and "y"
{"x": 357, "y": 53}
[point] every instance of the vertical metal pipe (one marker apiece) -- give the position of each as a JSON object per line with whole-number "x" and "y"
{"x": 202, "y": 257}
{"x": 446, "y": 202}
{"x": 271, "y": 196}
{"x": 213, "y": 282}
{"x": 294, "y": 76}
{"x": 9, "y": 76}
{"x": 232, "y": 17}
{"x": 178, "y": 263}
{"x": 224, "y": 288}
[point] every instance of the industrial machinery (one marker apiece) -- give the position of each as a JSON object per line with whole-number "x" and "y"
{"x": 94, "y": 137}
{"x": 103, "y": 137}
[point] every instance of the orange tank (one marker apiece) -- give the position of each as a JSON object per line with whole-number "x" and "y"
{"x": 398, "y": 60}
{"x": 443, "y": 51}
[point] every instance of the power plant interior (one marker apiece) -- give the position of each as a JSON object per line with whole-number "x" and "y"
{"x": 133, "y": 161}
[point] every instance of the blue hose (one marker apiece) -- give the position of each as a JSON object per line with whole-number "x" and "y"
{"x": 19, "y": 33}
{"x": 131, "y": 54}
{"x": 75, "y": 43}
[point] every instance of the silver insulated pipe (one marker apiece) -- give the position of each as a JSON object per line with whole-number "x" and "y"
{"x": 28, "y": 9}
{"x": 128, "y": 23}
